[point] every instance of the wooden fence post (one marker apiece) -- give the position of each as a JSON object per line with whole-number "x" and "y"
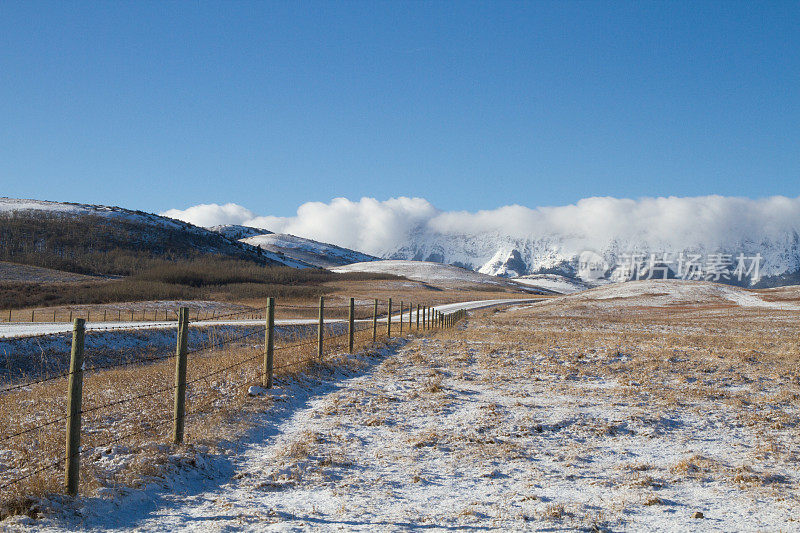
{"x": 180, "y": 376}
{"x": 410, "y": 310}
{"x": 417, "y": 317}
{"x": 389, "y": 320}
{"x": 269, "y": 344}
{"x": 32, "y": 315}
{"x": 74, "y": 400}
{"x": 401, "y": 318}
{"x": 321, "y": 326}
{"x": 375, "y": 322}
{"x": 351, "y": 319}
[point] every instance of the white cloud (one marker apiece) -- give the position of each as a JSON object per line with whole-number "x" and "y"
{"x": 208, "y": 215}
{"x": 380, "y": 227}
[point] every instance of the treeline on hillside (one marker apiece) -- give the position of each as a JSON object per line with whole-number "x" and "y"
{"x": 203, "y": 278}
{"x": 93, "y": 244}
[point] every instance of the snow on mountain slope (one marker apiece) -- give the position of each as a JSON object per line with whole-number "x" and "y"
{"x": 316, "y": 253}
{"x": 553, "y": 282}
{"x": 438, "y": 274}
{"x": 8, "y": 205}
{"x": 516, "y": 240}
{"x": 504, "y": 255}
{"x": 666, "y": 293}
{"x": 237, "y": 233}
{"x": 506, "y": 262}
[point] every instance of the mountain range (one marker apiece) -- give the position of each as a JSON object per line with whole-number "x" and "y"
{"x": 764, "y": 257}
{"x": 762, "y": 263}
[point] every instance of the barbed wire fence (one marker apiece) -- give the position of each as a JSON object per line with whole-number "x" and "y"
{"x": 116, "y": 313}
{"x": 369, "y": 321}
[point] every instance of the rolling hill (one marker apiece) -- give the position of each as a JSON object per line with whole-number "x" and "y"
{"x": 103, "y": 240}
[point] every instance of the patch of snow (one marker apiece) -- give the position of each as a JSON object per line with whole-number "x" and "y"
{"x": 553, "y": 282}
{"x": 316, "y": 253}
{"x": 236, "y": 232}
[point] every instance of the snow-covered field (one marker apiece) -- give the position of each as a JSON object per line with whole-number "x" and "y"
{"x": 541, "y": 417}
{"x": 663, "y": 293}
{"x": 437, "y": 274}
{"x": 33, "y": 357}
{"x": 26, "y": 329}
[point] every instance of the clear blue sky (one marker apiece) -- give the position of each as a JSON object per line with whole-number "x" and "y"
{"x": 154, "y": 105}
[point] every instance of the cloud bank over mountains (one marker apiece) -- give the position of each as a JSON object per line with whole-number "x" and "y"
{"x": 672, "y": 223}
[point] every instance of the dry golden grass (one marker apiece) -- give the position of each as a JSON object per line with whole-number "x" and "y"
{"x": 416, "y": 292}
{"x": 127, "y": 443}
{"x": 711, "y": 360}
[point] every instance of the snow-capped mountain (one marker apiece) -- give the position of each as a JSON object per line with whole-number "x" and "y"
{"x": 748, "y": 262}
{"x": 506, "y": 263}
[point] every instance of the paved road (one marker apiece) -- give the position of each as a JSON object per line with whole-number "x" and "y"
{"x": 27, "y": 329}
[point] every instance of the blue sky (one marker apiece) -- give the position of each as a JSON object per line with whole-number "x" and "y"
{"x": 157, "y": 105}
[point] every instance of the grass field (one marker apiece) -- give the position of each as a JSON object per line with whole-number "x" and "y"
{"x": 668, "y": 406}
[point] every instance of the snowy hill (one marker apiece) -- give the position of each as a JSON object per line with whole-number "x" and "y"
{"x": 438, "y": 274}
{"x": 105, "y": 229}
{"x": 312, "y": 252}
{"x": 666, "y": 293}
{"x": 236, "y": 233}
